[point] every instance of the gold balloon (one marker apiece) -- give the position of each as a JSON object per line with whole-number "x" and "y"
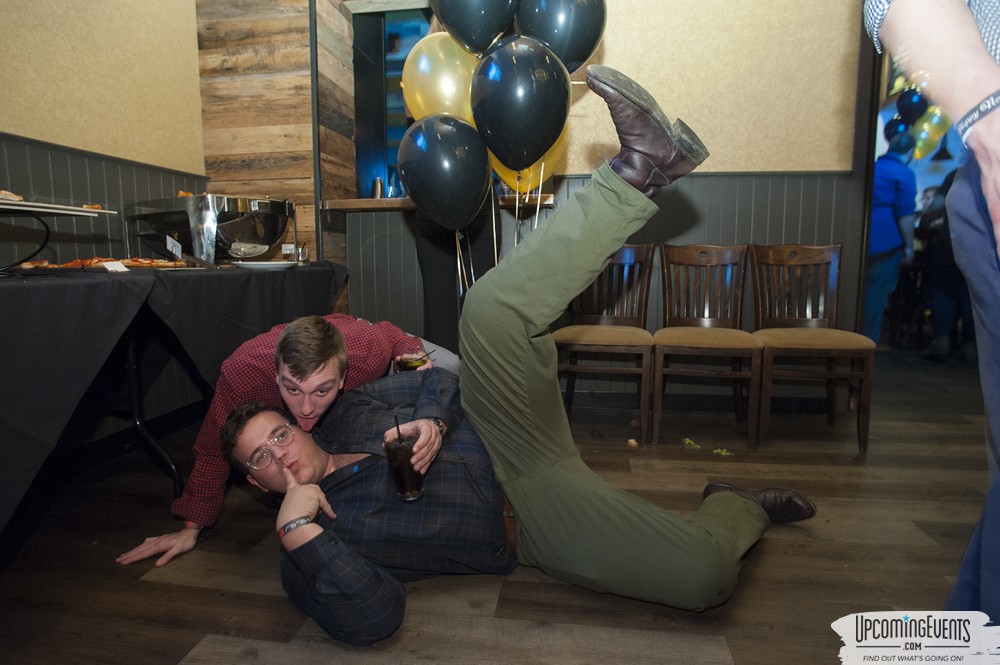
{"x": 928, "y": 130}
{"x": 938, "y": 121}
{"x": 437, "y": 78}
{"x": 925, "y": 143}
{"x": 531, "y": 177}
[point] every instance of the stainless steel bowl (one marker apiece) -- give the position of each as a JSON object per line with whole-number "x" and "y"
{"x": 211, "y": 226}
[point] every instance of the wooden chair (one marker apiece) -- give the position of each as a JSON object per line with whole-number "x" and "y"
{"x": 607, "y": 322}
{"x": 702, "y": 309}
{"x": 795, "y": 296}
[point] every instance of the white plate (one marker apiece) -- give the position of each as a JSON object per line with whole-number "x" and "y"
{"x": 266, "y": 265}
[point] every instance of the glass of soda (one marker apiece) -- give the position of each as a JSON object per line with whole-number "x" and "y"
{"x": 409, "y": 483}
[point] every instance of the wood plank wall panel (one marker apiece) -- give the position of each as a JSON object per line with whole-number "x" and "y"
{"x": 263, "y": 136}
{"x": 256, "y": 91}
{"x": 55, "y": 174}
{"x": 335, "y": 88}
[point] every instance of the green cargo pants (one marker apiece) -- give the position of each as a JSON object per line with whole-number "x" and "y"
{"x": 571, "y": 523}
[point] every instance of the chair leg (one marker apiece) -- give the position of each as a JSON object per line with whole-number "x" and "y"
{"x": 831, "y": 393}
{"x": 767, "y": 367}
{"x": 865, "y": 402}
{"x": 857, "y": 366}
{"x": 570, "y": 384}
{"x": 658, "y": 379}
{"x": 738, "y": 401}
{"x": 644, "y": 387}
{"x": 754, "y": 399}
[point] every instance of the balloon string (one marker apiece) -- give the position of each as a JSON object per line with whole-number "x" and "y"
{"x": 493, "y": 211}
{"x": 472, "y": 259}
{"x": 463, "y": 277}
{"x": 517, "y": 208}
{"x": 458, "y": 275}
{"x": 538, "y": 204}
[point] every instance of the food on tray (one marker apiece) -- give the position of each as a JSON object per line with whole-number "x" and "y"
{"x": 97, "y": 260}
{"x": 181, "y": 193}
{"x": 10, "y": 196}
{"x": 152, "y": 263}
{"x": 27, "y": 265}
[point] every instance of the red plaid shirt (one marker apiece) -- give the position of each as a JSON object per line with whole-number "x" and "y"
{"x": 248, "y": 375}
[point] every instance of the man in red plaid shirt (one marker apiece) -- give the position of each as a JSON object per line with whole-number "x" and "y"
{"x": 303, "y": 366}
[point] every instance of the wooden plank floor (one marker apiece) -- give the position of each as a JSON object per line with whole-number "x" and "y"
{"x": 889, "y": 534}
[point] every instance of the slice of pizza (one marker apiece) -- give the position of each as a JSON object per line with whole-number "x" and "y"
{"x": 140, "y": 262}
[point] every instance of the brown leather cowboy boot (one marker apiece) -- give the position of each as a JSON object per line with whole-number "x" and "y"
{"x": 654, "y": 151}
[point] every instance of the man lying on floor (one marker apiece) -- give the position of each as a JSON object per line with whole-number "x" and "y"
{"x": 349, "y": 543}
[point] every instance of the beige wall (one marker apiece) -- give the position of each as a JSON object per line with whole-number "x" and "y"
{"x": 115, "y": 77}
{"x": 769, "y": 85}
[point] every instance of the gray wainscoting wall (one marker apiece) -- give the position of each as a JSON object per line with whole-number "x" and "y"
{"x": 47, "y": 173}
{"x": 762, "y": 208}
{"x": 716, "y": 209}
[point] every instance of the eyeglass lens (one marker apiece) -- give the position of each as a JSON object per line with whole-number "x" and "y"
{"x": 262, "y": 458}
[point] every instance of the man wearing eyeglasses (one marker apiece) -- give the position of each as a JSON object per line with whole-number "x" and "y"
{"x": 303, "y": 365}
{"x": 346, "y": 569}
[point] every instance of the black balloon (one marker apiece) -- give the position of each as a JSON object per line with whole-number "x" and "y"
{"x": 911, "y": 105}
{"x": 895, "y": 125}
{"x": 520, "y": 100}
{"x": 571, "y": 28}
{"x": 475, "y": 24}
{"x": 445, "y": 169}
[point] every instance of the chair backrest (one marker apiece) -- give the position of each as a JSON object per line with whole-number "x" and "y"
{"x": 795, "y": 286}
{"x": 703, "y": 285}
{"x": 620, "y": 294}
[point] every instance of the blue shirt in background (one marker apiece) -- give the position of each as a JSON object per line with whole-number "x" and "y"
{"x": 894, "y": 194}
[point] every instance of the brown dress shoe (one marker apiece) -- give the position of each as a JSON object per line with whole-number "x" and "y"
{"x": 780, "y": 504}
{"x": 654, "y": 151}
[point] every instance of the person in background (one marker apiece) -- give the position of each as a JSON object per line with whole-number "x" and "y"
{"x": 927, "y": 201}
{"x": 890, "y": 236}
{"x": 947, "y": 294}
{"x": 953, "y": 49}
{"x": 348, "y": 542}
{"x": 302, "y": 365}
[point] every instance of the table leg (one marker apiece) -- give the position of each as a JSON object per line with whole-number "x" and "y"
{"x": 152, "y": 446}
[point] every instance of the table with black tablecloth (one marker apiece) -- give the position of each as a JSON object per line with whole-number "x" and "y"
{"x": 57, "y": 330}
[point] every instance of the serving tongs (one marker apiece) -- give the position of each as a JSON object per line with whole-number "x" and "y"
{"x": 199, "y": 262}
